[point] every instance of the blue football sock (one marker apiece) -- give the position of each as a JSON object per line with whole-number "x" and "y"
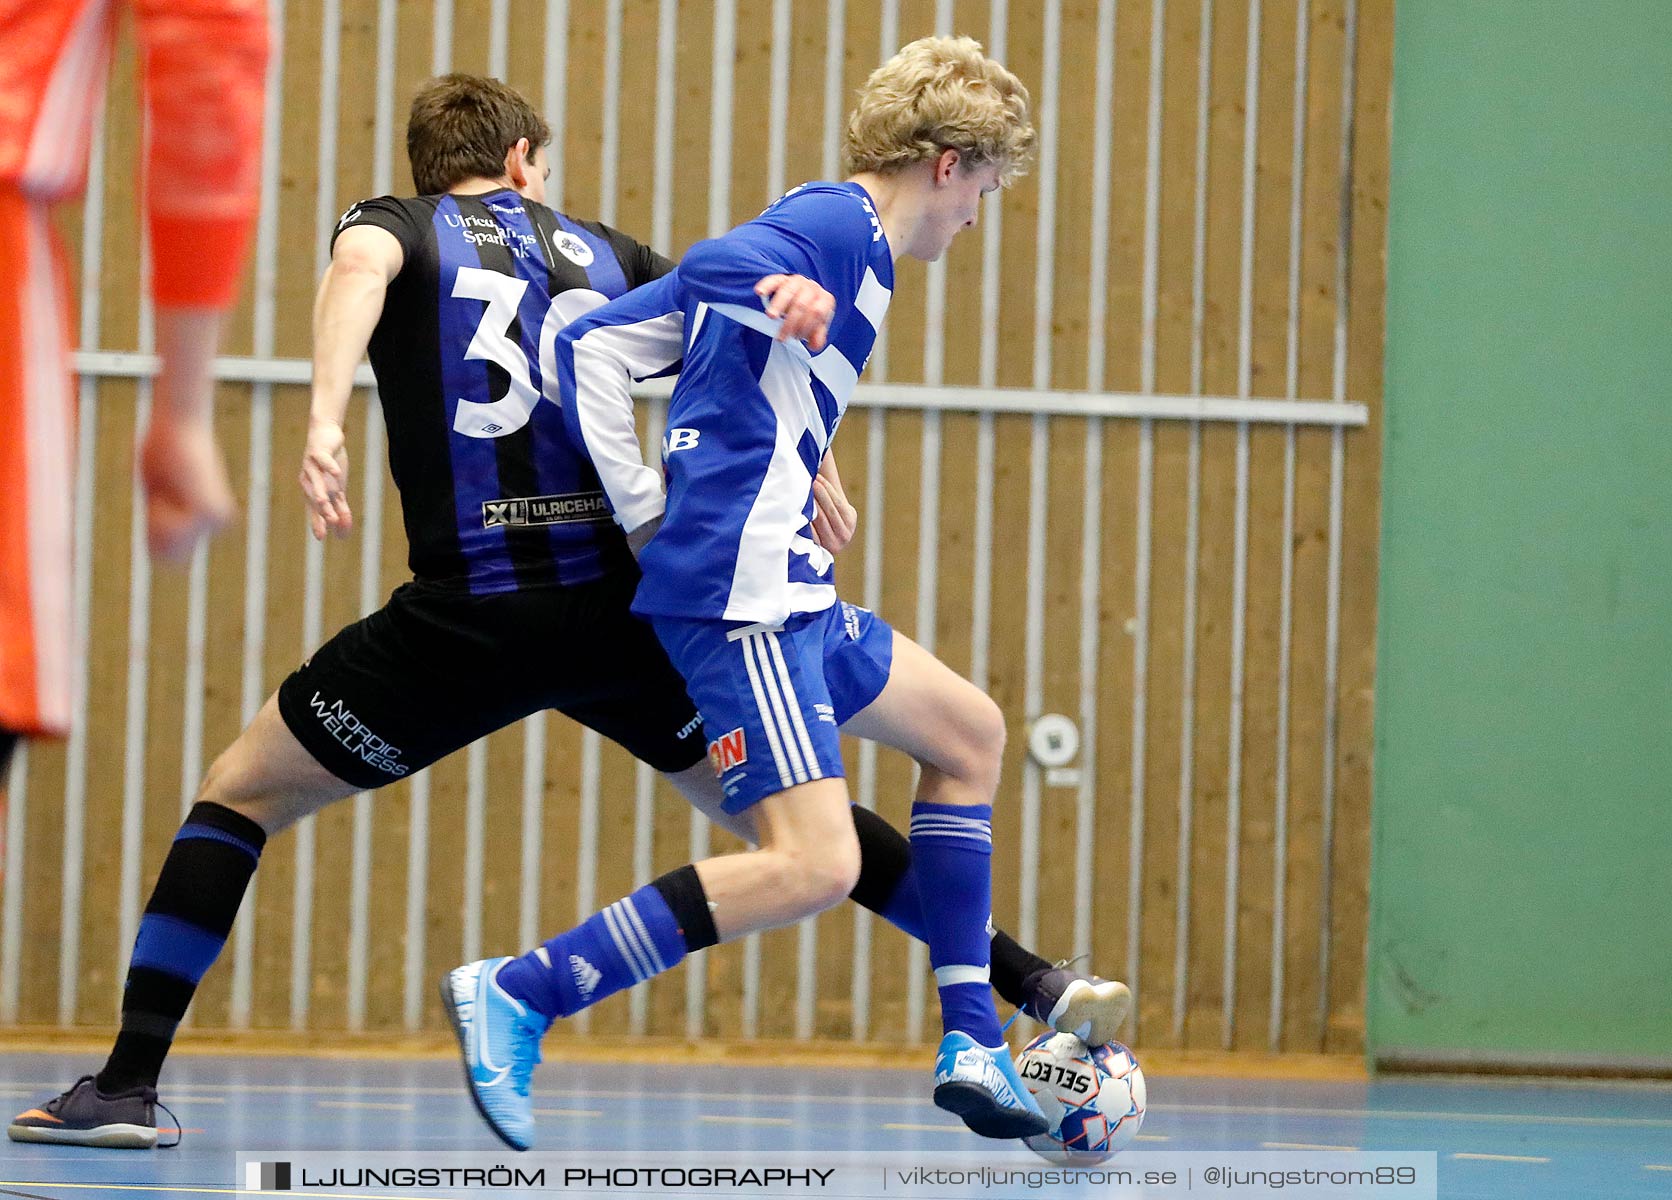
{"x": 887, "y": 883}
{"x": 904, "y": 909}
{"x": 952, "y": 857}
{"x": 625, "y": 944}
{"x": 888, "y": 887}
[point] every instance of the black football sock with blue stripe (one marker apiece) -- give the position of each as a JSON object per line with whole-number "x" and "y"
{"x": 181, "y": 934}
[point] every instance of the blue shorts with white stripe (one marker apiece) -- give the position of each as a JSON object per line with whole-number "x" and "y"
{"x": 773, "y": 698}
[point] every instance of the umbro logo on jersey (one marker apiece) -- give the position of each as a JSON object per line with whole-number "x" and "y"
{"x": 728, "y": 751}
{"x": 546, "y": 510}
{"x": 586, "y": 975}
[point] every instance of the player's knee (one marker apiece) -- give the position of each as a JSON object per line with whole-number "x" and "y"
{"x": 843, "y": 867}
{"x": 217, "y": 786}
{"x": 977, "y": 758}
{"x": 233, "y": 781}
{"x": 990, "y": 729}
{"x": 227, "y": 783}
{"x": 836, "y": 875}
{"x": 825, "y": 874}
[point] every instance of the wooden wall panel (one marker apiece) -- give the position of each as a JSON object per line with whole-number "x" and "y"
{"x": 1268, "y": 317}
{"x": 1112, "y": 758}
{"x": 1320, "y": 242}
{"x": 108, "y": 641}
{"x": 1115, "y": 918}
{"x": 895, "y": 1016}
{"x": 1052, "y": 928}
{"x": 1366, "y": 289}
{"x": 1222, "y": 297}
{"x": 1170, "y": 356}
{"x": 1321, "y": 997}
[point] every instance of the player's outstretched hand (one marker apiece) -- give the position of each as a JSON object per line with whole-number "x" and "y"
{"x": 834, "y": 519}
{"x": 805, "y": 307}
{"x": 187, "y": 495}
{"x": 324, "y": 479}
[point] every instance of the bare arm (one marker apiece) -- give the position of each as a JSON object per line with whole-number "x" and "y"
{"x": 204, "y": 68}
{"x": 346, "y": 310}
{"x": 186, "y": 489}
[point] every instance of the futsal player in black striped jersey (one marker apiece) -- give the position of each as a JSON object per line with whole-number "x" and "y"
{"x": 521, "y": 580}
{"x": 492, "y": 503}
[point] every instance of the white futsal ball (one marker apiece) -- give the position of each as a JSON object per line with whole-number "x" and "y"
{"x": 1099, "y": 1094}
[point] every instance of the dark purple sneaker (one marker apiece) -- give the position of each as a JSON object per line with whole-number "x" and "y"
{"x": 84, "y": 1116}
{"x": 1090, "y": 1008}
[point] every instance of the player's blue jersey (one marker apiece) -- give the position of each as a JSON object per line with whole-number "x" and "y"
{"x": 494, "y": 495}
{"x": 751, "y": 417}
{"x": 640, "y": 336}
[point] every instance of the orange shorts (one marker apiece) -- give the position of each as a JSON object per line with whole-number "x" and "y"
{"x": 37, "y": 420}
{"x": 53, "y": 62}
{"x": 204, "y": 69}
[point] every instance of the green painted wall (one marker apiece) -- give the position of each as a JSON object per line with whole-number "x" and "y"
{"x": 1522, "y": 849}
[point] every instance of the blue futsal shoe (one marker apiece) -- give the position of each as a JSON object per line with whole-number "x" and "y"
{"x": 982, "y": 1087}
{"x": 499, "y": 1038}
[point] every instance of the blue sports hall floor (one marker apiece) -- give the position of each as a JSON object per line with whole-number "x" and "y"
{"x": 1520, "y": 1139}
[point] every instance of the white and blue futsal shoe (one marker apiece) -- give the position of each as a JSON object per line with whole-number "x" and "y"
{"x": 981, "y": 1085}
{"x": 499, "y": 1038}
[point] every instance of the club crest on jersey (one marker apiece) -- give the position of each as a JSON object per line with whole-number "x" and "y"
{"x": 728, "y": 751}
{"x": 573, "y": 248}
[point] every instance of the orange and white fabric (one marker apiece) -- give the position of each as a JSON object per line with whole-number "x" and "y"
{"x": 203, "y": 65}
{"x": 37, "y": 419}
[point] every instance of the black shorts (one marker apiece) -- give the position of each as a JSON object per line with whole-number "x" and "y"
{"x": 435, "y": 669}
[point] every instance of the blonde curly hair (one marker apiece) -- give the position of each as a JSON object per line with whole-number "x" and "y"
{"x": 940, "y": 93}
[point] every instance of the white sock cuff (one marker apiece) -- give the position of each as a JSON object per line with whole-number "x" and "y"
{"x": 947, "y": 976}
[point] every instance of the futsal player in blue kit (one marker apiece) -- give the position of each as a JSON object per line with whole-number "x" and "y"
{"x": 742, "y": 596}
{"x": 519, "y": 600}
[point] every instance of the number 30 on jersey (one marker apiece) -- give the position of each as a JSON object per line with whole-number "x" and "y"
{"x": 492, "y": 343}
